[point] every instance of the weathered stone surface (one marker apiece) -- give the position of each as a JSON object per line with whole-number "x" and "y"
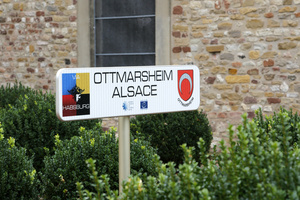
{"x": 2, "y": 19}
{"x": 2, "y": 70}
{"x": 272, "y": 39}
{"x": 237, "y": 79}
{"x": 235, "y": 34}
{"x": 254, "y": 24}
{"x": 273, "y": 23}
{"x": 224, "y": 87}
{"x": 287, "y": 2}
{"x": 232, "y": 71}
{"x": 269, "y": 63}
{"x": 254, "y": 55}
{"x": 237, "y": 17}
{"x": 287, "y": 45}
{"x": 253, "y": 72}
{"x": 249, "y": 64}
{"x": 270, "y": 54}
{"x": 197, "y": 28}
{"x": 218, "y": 34}
{"x": 197, "y": 34}
{"x": 227, "y": 56}
{"x": 245, "y": 46}
{"x": 289, "y": 23}
{"x": 214, "y": 41}
{"x": 231, "y": 96}
{"x": 257, "y": 93}
{"x": 269, "y": 15}
{"x": 292, "y": 95}
{"x": 224, "y": 26}
{"x": 202, "y": 57}
{"x": 218, "y": 70}
{"x": 195, "y": 5}
{"x": 209, "y": 95}
{"x": 186, "y": 49}
{"x": 269, "y": 77}
{"x": 215, "y": 48}
{"x": 273, "y": 100}
{"x": 292, "y": 77}
{"x": 210, "y": 80}
{"x": 284, "y": 87}
{"x": 178, "y": 27}
{"x": 250, "y": 100}
{"x": 247, "y": 10}
{"x": 276, "y": 2}
{"x": 287, "y": 9}
{"x": 248, "y": 3}
{"x": 257, "y": 38}
{"x": 236, "y": 64}
{"x": 269, "y": 94}
{"x": 177, "y": 10}
{"x": 176, "y": 49}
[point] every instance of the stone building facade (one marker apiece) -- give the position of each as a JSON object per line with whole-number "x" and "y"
{"x": 247, "y": 50}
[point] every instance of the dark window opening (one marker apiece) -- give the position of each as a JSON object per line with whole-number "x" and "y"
{"x": 124, "y": 32}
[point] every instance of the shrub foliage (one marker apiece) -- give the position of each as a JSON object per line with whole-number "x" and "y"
{"x": 269, "y": 125}
{"x": 67, "y": 165}
{"x": 255, "y": 165}
{"x": 17, "y": 175}
{"x": 10, "y": 94}
{"x": 30, "y": 118}
{"x": 168, "y": 131}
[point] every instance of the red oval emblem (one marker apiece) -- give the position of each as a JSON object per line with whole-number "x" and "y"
{"x": 185, "y": 84}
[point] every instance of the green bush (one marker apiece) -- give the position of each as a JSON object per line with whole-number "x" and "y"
{"x": 32, "y": 121}
{"x": 67, "y": 166}
{"x": 268, "y": 125}
{"x": 168, "y": 131}
{"x": 17, "y": 175}
{"x": 253, "y": 166}
{"x": 10, "y": 94}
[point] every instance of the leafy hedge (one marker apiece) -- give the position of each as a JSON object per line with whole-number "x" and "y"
{"x": 168, "y": 131}
{"x": 269, "y": 125}
{"x": 67, "y": 165}
{"x": 255, "y": 165}
{"x": 17, "y": 175}
{"x": 10, "y": 94}
{"x": 30, "y": 118}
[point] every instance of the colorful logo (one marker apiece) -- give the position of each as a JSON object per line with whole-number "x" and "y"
{"x": 76, "y": 94}
{"x": 144, "y": 105}
{"x": 128, "y": 105}
{"x": 185, "y": 84}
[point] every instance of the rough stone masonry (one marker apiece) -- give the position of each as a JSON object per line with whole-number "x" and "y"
{"x": 37, "y": 37}
{"x": 247, "y": 50}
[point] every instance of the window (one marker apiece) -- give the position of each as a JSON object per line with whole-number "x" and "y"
{"x": 86, "y": 19}
{"x": 124, "y": 32}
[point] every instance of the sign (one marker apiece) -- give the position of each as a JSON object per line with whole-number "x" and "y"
{"x": 92, "y": 93}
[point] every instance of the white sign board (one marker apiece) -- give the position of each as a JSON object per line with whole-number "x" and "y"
{"x": 98, "y": 92}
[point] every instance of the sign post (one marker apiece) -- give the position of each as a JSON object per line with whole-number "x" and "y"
{"x": 93, "y": 93}
{"x": 124, "y": 150}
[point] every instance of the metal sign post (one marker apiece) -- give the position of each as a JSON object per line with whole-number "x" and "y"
{"x": 124, "y": 150}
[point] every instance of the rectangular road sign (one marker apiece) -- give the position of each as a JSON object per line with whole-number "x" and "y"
{"x": 98, "y": 92}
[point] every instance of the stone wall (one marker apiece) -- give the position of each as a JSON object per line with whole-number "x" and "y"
{"x": 247, "y": 52}
{"x": 36, "y": 39}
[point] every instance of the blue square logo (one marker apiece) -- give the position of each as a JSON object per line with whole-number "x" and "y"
{"x": 144, "y": 104}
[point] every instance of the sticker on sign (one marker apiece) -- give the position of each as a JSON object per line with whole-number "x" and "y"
{"x": 92, "y": 93}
